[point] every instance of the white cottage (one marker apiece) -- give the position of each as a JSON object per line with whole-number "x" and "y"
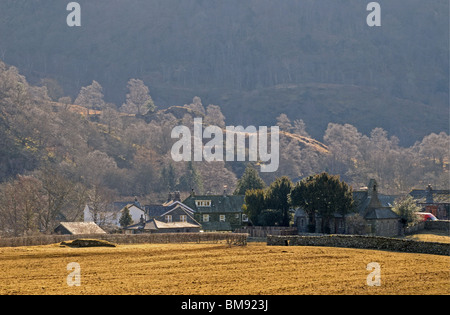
{"x": 136, "y": 213}
{"x": 112, "y": 216}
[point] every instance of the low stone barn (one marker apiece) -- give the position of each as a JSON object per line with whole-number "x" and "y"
{"x": 78, "y": 228}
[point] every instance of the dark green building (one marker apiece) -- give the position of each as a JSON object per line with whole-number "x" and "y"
{"x": 217, "y": 213}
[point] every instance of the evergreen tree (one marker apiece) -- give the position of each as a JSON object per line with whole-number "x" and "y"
{"x": 323, "y": 194}
{"x": 249, "y": 180}
{"x": 277, "y": 198}
{"x": 125, "y": 219}
{"x": 255, "y": 203}
{"x": 191, "y": 180}
{"x": 168, "y": 178}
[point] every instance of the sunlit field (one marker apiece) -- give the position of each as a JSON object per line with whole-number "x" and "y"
{"x": 430, "y": 236}
{"x": 185, "y": 269}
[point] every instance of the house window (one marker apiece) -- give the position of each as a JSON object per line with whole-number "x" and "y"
{"x": 203, "y": 203}
{"x": 183, "y": 218}
{"x": 222, "y": 218}
{"x": 206, "y": 218}
{"x": 168, "y": 218}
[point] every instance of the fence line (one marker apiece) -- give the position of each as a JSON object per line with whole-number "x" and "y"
{"x": 263, "y": 231}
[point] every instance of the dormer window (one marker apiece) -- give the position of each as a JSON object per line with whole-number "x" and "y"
{"x": 203, "y": 203}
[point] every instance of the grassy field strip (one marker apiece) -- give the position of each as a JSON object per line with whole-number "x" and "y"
{"x": 219, "y": 269}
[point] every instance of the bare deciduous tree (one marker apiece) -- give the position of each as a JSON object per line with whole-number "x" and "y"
{"x": 138, "y": 100}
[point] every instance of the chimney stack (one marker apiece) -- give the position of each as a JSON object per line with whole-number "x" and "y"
{"x": 429, "y": 194}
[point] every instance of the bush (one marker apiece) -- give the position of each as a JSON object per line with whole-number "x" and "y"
{"x": 407, "y": 209}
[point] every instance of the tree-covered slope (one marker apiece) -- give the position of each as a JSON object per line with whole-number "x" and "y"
{"x": 237, "y": 53}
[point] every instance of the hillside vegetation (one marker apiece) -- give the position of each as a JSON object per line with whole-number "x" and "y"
{"x": 315, "y": 60}
{"x": 57, "y": 157}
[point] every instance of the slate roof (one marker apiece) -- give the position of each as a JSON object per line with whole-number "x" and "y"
{"x": 362, "y": 200}
{"x": 159, "y": 210}
{"x": 122, "y": 204}
{"x": 372, "y": 205}
{"x": 219, "y": 203}
{"x": 430, "y": 196}
{"x": 381, "y": 213}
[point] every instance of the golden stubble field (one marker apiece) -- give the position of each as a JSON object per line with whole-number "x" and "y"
{"x": 213, "y": 269}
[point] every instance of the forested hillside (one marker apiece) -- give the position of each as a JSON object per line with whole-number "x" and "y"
{"x": 86, "y": 113}
{"x": 55, "y": 156}
{"x": 314, "y": 60}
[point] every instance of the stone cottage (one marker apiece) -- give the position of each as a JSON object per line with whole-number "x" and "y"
{"x": 375, "y": 209}
{"x": 217, "y": 212}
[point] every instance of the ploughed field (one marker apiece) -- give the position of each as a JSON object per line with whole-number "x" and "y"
{"x": 185, "y": 269}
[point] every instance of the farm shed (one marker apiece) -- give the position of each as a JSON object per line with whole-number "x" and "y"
{"x": 156, "y": 226}
{"x": 78, "y": 228}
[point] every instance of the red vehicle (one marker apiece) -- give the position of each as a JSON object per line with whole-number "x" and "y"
{"x": 425, "y": 216}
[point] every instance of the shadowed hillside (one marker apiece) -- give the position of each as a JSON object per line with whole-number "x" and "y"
{"x": 313, "y": 60}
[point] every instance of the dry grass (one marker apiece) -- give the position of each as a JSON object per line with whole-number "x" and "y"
{"x": 186, "y": 269}
{"x": 430, "y": 236}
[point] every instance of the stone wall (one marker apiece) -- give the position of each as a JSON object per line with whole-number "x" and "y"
{"x": 229, "y": 238}
{"x": 263, "y": 231}
{"x": 414, "y": 228}
{"x": 441, "y": 225}
{"x": 362, "y": 242}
